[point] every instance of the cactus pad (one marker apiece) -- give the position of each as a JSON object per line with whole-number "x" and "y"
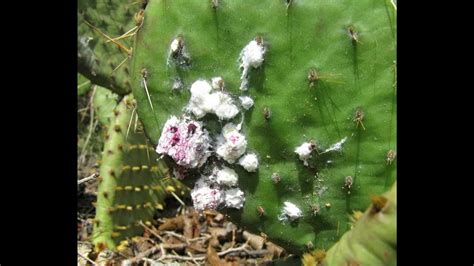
{"x": 322, "y": 78}
{"x": 132, "y": 185}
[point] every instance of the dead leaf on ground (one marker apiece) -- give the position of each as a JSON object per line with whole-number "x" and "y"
{"x": 232, "y": 261}
{"x": 176, "y": 223}
{"x": 220, "y": 233}
{"x": 141, "y": 243}
{"x": 192, "y": 229}
{"x": 171, "y": 240}
{"x": 219, "y": 217}
{"x": 196, "y": 246}
{"x": 214, "y": 242}
{"x": 255, "y": 241}
{"x": 194, "y": 234}
{"x": 213, "y": 259}
{"x": 84, "y": 249}
{"x": 275, "y": 250}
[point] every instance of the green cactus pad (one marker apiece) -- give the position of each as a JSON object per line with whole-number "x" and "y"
{"x": 105, "y": 102}
{"x": 83, "y": 85}
{"x": 373, "y": 240}
{"x": 350, "y": 45}
{"x": 98, "y": 58}
{"x": 132, "y": 186}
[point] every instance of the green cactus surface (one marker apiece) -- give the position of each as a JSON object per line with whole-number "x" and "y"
{"x": 373, "y": 240}
{"x": 83, "y": 85}
{"x": 132, "y": 186}
{"x": 328, "y": 74}
{"x": 104, "y": 101}
{"x": 99, "y": 59}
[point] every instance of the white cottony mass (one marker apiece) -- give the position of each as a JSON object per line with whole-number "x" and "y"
{"x": 234, "y": 198}
{"x": 225, "y": 176}
{"x": 251, "y": 56}
{"x": 186, "y": 141}
{"x": 246, "y": 102}
{"x": 249, "y": 162}
{"x": 203, "y": 101}
{"x": 209, "y": 193}
{"x": 206, "y": 196}
{"x": 290, "y": 212}
{"x": 231, "y": 144}
{"x": 304, "y": 151}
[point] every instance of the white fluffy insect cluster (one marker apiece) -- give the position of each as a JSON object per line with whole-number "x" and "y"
{"x": 251, "y": 56}
{"x": 189, "y": 144}
{"x": 234, "y": 198}
{"x": 206, "y": 196}
{"x": 185, "y": 141}
{"x": 290, "y": 212}
{"x": 231, "y": 144}
{"x": 175, "y": 45}
{"x": 204, "y": 101}
{"x": 211, "y": 191}
{"x": 304, "y": 151}
{"x": 178, "y": 53}
{"x": 225, "y": 176}
{"x": 246, "y": 102}
{"x": 249, "y": 162}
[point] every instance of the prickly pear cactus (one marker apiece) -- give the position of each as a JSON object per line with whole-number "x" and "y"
{"x": 321, "y": 117}
{"x": 105, "y": 62}
{"x": 373, "y": 240}
{"x": 104, "y": 101}
{"x": 132, "y": 186}
{"x": 83, "y": 85}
